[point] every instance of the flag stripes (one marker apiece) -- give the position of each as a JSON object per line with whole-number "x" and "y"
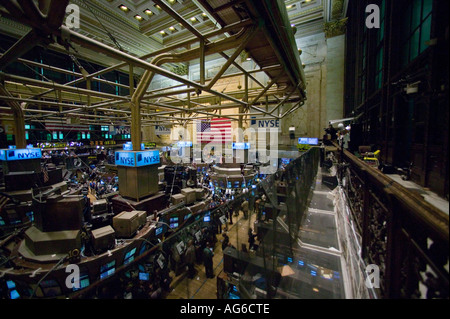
{"x": 216, "y": 130}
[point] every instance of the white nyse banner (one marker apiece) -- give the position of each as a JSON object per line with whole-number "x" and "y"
{"x": 162, "y": 130}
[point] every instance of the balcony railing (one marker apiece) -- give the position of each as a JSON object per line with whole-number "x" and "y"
{"x": 404, "y": 235}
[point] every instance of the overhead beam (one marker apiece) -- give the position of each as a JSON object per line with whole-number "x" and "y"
{"x": 22, "y": 46}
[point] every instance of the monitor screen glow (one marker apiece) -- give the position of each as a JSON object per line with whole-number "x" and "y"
{"x": 144, "y": 276}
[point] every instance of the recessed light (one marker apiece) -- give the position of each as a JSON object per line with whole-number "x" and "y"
{"x": 138, "y": 17}
{"x": 171, "y": 28}
{"x": 193, "y": 19}
{"x": 162, "y": 32}
{"x": 124, "y": 8}
{"x": 148, "y": 12}
{"x": 158, "y": 7}
{"x": 204, "y": 14}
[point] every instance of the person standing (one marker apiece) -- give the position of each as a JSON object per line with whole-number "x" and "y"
{"x": 208, "y": 260}
{"x": 244, "y": 207}
{"x": 225, "y": 241}
{"x": 189, "y": 258}
{"x": 229, "y": 213}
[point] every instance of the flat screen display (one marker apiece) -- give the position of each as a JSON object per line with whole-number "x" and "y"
{"x": 14, "y": 294}
{"x": 308, "y": 141}
{"x": 10, "y": 284}
{"x": 144, "y": 276}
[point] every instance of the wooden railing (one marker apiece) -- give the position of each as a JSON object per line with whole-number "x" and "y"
{"x": 404, "y": 235}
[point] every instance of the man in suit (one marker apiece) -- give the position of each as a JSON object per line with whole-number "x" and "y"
{"x": 208, "y": 260}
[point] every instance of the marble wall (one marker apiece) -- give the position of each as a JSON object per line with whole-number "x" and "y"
{"x": 324, "y": 70}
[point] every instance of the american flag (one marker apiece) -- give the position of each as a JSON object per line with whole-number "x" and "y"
{"x": 216, "y": 130}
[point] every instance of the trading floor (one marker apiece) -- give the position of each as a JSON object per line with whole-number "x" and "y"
{"x": 317, "y": 248}
{"x": 206, "y": 288}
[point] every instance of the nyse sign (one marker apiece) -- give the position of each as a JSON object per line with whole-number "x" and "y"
{"x": 147, "y": 158}
{"x": 125, "y": 159}
{"x": 137, "y": 159}
{"x": 265, "y": 123}
{"x": 162, "y": 130}
{"x": 20, "y": 154}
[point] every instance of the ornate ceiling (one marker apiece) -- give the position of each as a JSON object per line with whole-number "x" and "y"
{"x": 119, "y": 33}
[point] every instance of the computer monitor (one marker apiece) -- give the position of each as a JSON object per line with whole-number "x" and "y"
{"x": 10, "y": 284}
{"x": 14, "y": 294}
{"x": 161, "y": 261}
{"x": 129, "y": 256}
{"x": 173, "y": 225}
{"x": 84, "y": 282}
{"x": 108, "y": 269}
{"x": 180, "y": 247}
{"x": 207, "y": 218}
{"x": 158, "y": 231}
{"x": 198, "y": 235}
{"x": 50, "y": 288}
{"x": 223, "y": 219}
{"x": 303, "y": 140}
{"x": 233, "y": 296}
{"x": 144, "y": 276}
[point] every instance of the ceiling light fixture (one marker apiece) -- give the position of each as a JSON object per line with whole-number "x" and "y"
{"x": 124, "y": 8}
{"x": 138, "y": 17}
{"x": 148, "y": 12}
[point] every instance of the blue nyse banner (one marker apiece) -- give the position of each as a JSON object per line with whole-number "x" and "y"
{"x": 125, "y": 159}
{"x": 20, "y": 154}
{"x": 137, "y": 159}
{"x": 147, "y": 158}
